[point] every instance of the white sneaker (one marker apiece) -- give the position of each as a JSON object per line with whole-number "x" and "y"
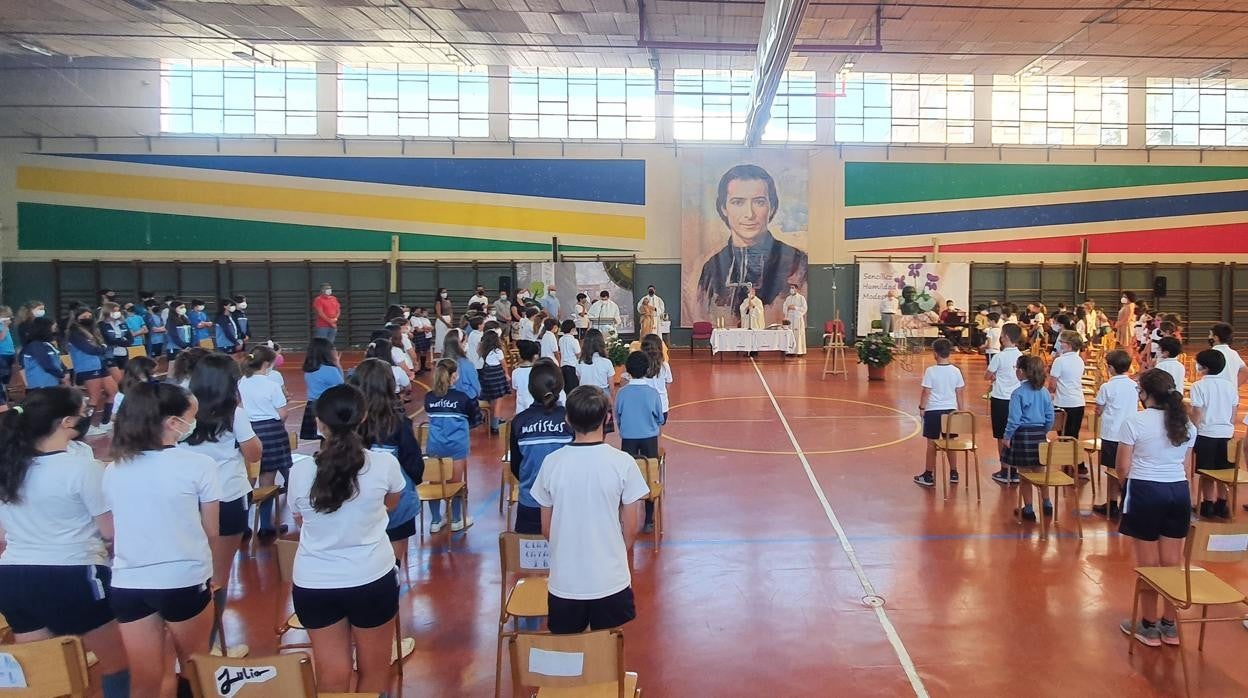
{"x": 98, "y": 430}
{"x": 462, "y": 524}
{"x": 435, "y": 526}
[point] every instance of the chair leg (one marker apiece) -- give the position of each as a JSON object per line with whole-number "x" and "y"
{"x": 498, "y": 662}
{"x": 1074, "y": 500}
{"x": 1204, "y": 615}
{"x": 502, "y": 488}
{"x": 975, "y": 455}
{"x": 1040, "y": 494}
{"x": 398, "y": 652}
{"x": 943, "y": 476}
{"x": 1178, "y": 627}
{"x": 1135, "y": 618}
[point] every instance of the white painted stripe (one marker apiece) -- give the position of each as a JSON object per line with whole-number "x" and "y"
{"x": 534, "y": 442}
{"x": 903, "y": 656}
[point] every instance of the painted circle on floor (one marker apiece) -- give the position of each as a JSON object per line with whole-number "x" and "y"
{"x": 674, "y": 419}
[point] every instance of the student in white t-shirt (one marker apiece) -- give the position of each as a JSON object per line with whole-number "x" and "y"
{"x": 266, "y": 408}
{"x": 548, "y": 339}
{"x": 595, "y": 367}
{"x": 474, "y": 341}
{"x": 224, "y": 434}
{"x": 569, "y": 352}
{"x": 1004, "y": 378}
{"x": 1066, "y": 382}
{"x": 54, "y": 572}
{"x": 1116, "y": 400}
{"x": 1167, "y": 359}
{"x": 582, "y": 315}
{"x": 346, "y": 591}
{"x": 1153, "y": 451}
{"x": 1235, "y": 373}
{"x": 942, "y": 394}
{"x": 1214, "y": 402}
{"x": 992, "y": 336}
{"x": 588, "y": 493}
{"x": 165, "y": 512}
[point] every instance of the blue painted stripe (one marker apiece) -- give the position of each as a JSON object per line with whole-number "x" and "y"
{"x": 603, "y": 181}
{"x": 1048, "y": 214}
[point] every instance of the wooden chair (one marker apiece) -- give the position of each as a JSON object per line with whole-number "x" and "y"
{"x": 653, "y": 470}
{"x": 287, "y": 675}
{"x": 1187, "y": 586}
{"x": 1092, "y": 447}
{"x": 486, "y": 413}
{"x": 598, "y": 655}
{"x": 701, "y": 331}
{"x": 422, "y": 435}
{"x": 134, "y": 352}
{"x": 439, "y": 487}
{"x": 509, "y": 486}
{"x": 958, "y": 436}
{"x": 286, "y": 550}
{"x": 52, "y": 667}
{"x": 1055, "y": 455}
{"x": 207, "y": 344}
{"x": 1231, "y": 477}
{"x": 259, "y": 495}
{"x": 525, "y": 558}
{"x": 67, "y": 361}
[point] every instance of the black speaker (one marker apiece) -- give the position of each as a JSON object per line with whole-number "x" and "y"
{"x": 504, "y": 284}
{"x": 1159, "y": 287}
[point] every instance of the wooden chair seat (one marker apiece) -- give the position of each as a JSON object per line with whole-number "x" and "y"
{"x": 264, "y": 493}
{"x": 956, "y": 443}
{"x": 656, "y": 490}
{"x": 435, "y": 491}
{"x": 1091, "y": 445}
{"x": 528, "y": 598}
{"x": 1049, "y": 479}
{"x": 1226, "y": 476}
{"x": 293, "y": 623}
{"x": 598, "y": 690}
{"x": 206, "y": 344}
{"x": 1111, "y": 473}
{"x": 1207, "y": 587}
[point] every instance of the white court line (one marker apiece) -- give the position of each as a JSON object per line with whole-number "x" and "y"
{"x": 890, "y": 631}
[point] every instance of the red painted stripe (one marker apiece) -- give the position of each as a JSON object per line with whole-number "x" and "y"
{"x": 1231, "y": 238}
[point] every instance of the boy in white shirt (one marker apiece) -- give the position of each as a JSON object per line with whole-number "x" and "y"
{"x": 1116, "y": 400}
{"x": 1214, "y": 402}
{"x": 588, "y": 492}
{"x": 992, "y": 336}
{"x": 943, "y": 388}
{"x": 1066, "y": 382}
{"x": 1004, "y": 378}
{"x": 1168, "y": 352}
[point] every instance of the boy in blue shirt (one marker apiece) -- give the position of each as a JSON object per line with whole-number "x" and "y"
{"x": 638, "y": 416}
{"x": 200, "y": 324}
{"x": 137, "y": 325}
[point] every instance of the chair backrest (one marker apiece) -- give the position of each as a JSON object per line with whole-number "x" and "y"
{"x": 961, "y": 423}
{"x": 650, "y": 470}
{"x": 1059, "y": 420}
{"x": 1094, "y": 423}
{"x": 286, "y": 675}
{"x": 286, "y": 550}
{"x": 294, "y": 440}
{"x": 439, "y": 470}
{"x": 1060, "y": 452}
{"x": 504, "y": 432}
{"x": 135, "y": 352}
{"x": 523, "y": 554}
{"x": 53, "y": 667}
{"x": 702, "y": 328}
{"x": 206, "y": 343}
{"x": 540, "y": 660}
{"x": 253, "y": 471}
{"x": 1235, "y": 451}
{"x": 422, "y": 435}
{"x": 1216, "y": 542}
{"x": 67, "y": 361}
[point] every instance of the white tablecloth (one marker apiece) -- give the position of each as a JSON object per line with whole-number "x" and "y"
{"x": 752, "y": 340}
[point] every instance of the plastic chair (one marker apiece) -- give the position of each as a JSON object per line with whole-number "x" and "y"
{"x": 957, "y": 431}
{"x": 526, "y": 558}
{"x": 53, "y": 667}
{"x": 1186, "y": 586}
{"x": 701, "y": 331}
{"x": 439, "y": 487}
{"x": 652, "y": 469}
{"x": 1055, "y": 455}
{"x": 1226, "y": 476}
{"x": 598, "y": 655}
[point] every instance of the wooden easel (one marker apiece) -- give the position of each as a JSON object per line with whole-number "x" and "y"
{"x": 834, "y": 350}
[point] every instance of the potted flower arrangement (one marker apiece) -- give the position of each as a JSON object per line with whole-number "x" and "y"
{"x": 617, "y": 352}
{"x": 876, "y": 351}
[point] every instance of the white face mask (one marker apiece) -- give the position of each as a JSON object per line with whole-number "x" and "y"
{"x": 180, "y": 311}
{"x": 38, "y": 312}
{"x": 407, "y": 316}
{"x": 1123, "y": 300}
{"x": 328, "y": 291}
{"x": 242, "y": 306}
{"x": 190, "y": 428}
{"x": 231, "y": 308}
{"x": 444, "y": 295}
{"x": 552, "y": 292}
{"x": 6, "y": 320}
{"x": 502, "y": 296}
{"x": 116, "y": 315}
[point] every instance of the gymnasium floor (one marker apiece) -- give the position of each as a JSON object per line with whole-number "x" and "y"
{"x": 789, "y": 506}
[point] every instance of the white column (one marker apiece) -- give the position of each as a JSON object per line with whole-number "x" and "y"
{"x": 499, "y": 100}
{"x": 326, "y": 99}
{"x": 664, "y": 106}
{"x": 983, "y": 109}
{"x": 1137, "y": 112}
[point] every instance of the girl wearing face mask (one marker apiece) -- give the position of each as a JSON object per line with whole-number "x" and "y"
{"x": 241, "y": 321}
{"x": 27, "y": 314}
{"x": 226, "y": 337}
{"x": 165, "y": 510}
{"x": 117, "y": 336}
{"x": 1126, "y": 319}
{"x": 200, "y": 322}
{"x": 443, "y": 311}
{"x": 88, "y": 352}
{"x": 54, "y": 574}
{"x": 39, "y": 357}
{"x": 181, "y": 332}
{"x": 266, "y": 408}
{"x": 1066, "y": 382}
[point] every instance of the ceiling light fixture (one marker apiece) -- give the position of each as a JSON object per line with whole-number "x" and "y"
{"x": 144, "y": 5}
{"x": 1214, "y": 73}
{"x": 35, "y": 49}
{"x": 453, "y": 57}
{"x": 244, "y": 56}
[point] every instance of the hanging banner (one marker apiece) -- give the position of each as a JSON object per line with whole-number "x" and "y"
{"x": 922, "y": 291}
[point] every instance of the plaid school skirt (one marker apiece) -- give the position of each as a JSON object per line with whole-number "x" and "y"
{"x": 276, "y": 445}
{"x": 420, "y": 342}
{"x": 493, "y": 383}
{"x": 1024, "y": 450}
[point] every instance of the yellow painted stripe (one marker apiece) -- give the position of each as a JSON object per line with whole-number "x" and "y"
{"x": 399, "y": 208}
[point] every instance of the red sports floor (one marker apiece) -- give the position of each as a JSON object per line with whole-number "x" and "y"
{"x": 789, "y": 502}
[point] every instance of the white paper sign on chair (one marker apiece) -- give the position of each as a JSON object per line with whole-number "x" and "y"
{"x": 549, "y": 663}
{"x": 11, "y": 674}
{"x": 231, "y": 679}
{"x": 534, "y": 555}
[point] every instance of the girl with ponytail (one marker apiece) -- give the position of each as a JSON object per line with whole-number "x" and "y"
{"x": 495, "y": 383}
{"x": 538, "y": 431}
{"x": 54, "y": 574}
{"x": 451, "y": 415}
{"x": 345, "y": 587}
{"x": 264, "y": 401}
{"x": 1153, "y": 449}
{"x": 165, "y": 504}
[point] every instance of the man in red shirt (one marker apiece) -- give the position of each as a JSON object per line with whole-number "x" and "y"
{"x": 326, "y": 309}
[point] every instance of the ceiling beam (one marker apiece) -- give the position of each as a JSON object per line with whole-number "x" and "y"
{"x": 781, "y": 20}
